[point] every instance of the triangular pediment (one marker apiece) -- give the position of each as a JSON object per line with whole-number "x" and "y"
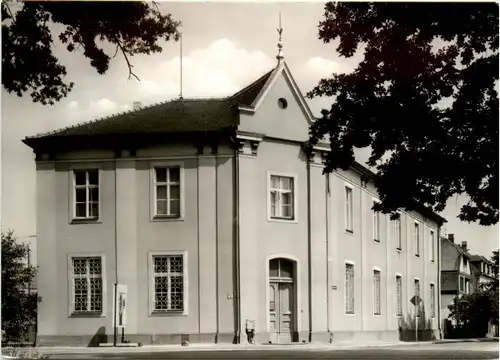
{"x": 279, "y": 110}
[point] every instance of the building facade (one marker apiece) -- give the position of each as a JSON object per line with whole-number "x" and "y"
{"x": 217, "y": 216}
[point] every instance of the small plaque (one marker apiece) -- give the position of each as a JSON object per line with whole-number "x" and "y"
{"x": 229, "y": 295}
{"x": 334, "y": 287}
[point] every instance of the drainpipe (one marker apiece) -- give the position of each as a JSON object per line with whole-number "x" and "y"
{"x": 115, "y": 328}
{"x": 237, "y": 237}
{"x": 439, "y": 279}
{"x": 309, "y": 285}
{"x": 217, "y": 303}
{"x": 327, "y": 216}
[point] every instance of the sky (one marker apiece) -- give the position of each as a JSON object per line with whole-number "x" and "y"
{"x": 225, "y": 47}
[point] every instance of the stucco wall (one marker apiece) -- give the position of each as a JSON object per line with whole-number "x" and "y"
{"x": 205, "y": 232}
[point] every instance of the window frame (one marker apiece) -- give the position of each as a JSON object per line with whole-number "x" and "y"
{"x": 349, "y": 208}
{"x": 376, "y": 223}
{"x": 87, "y": 187}
{"x": 398, "y": 234}
{"x": 416, "y": 237}
{"x": 185, "y": 283}
{"x": 71, "y": 289}
{"x": 153, "y": 213}
{"x": 433, "y": 245}
{"x": 399, "y": 301}
{"x": 432, "y": 289}
{"x": 294, "y": 217}
{"x": 416, "y": 281}
{"x": 377, "y": 307}
{"x": 347, "y": 310}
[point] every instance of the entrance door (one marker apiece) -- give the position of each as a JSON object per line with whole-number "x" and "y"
{"x": 281, "y": 301}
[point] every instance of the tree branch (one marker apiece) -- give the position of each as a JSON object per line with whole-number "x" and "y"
{"x": 130, "y": 66}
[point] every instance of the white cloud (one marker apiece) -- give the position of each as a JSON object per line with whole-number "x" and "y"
{"x": 218, "y": 70}
{"x": 103, "y": 106}
{"x": 318, "y": 67}
{"x": 72, "y": 105}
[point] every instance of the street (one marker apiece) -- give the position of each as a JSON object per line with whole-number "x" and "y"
{"x": 449, "y": 351}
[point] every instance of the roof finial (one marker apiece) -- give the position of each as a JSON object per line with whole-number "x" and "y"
{"x": 280, "y": 55}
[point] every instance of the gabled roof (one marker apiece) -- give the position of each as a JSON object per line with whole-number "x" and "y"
{"x": 458, "y": 248}
{"x": 177, "y": 116}
{"x": 282, "y": 68}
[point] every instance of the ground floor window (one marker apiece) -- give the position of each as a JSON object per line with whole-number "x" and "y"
{"x": 87, "y": 285}
{"x": 168, "y": 282}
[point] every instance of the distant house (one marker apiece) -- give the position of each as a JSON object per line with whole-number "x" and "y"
{"x": 456, "y": 272}
{"x": 462, "y": 273}
{"x": 484, "y": 271}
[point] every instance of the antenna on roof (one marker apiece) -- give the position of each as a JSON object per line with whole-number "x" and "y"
{"x": 180, "y": 62}
{"x": 280, "y": 55}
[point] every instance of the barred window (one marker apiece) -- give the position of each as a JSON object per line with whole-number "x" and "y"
{"x": 433, "y": 301}
{"x": 399, "y": 296}
{"x": 417, "y": 294}
{"x": 87, "y": 284}
{"x": 349, "y": 288}
{"x": 86, "y": 195}
{"x": 167, "y": 191}
{"x": 282, "y": 197}
{"x": 168, "y": 283}
{"x": 377, "y": 307}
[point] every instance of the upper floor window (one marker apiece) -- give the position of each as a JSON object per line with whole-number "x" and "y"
{"x": 86, "y": 199}
{"x": 86, "y": 285}
{"x": 282, "y": 197}
{"x": 416, "y": 237}
{"x": 433, "y": 246}
{"x": 397, "y": 232}
{"x": 167, "y": 191}
{"x": 348, "y": 209}
{"x": 376, "y": 224}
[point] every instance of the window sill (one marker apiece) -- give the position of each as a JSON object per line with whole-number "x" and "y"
{"x": 349, "y": 232}
{"x": 398, "y": 249}
{"x": 417, "y": 255}
{"x": 282, "y": 220}
{"x": 399, "y": 316}
{"x": 167, "y": 218}
{"x": 349, "y": 314}
{"x": 377, "y": 315}
{"x": 376, "y": 241}
{"x": 86, "y": 314}
{"x": 95, "y": 220}
{"x": 167, "y": 313}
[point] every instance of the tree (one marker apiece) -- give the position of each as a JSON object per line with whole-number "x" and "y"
{"x": 424, "y": 99}
{"x": 19, "y": 305}
{"x": 28, "y": 63}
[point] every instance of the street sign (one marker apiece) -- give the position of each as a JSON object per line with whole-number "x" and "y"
{"x": 416, "y": 300}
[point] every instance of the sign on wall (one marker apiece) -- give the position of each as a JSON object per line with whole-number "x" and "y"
{"x": 120, "y": 302}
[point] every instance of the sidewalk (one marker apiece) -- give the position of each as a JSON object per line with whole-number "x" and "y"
{"x": 240, "y": 347}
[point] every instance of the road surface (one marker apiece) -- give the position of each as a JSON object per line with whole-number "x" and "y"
{"x": 472, "y": 351}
